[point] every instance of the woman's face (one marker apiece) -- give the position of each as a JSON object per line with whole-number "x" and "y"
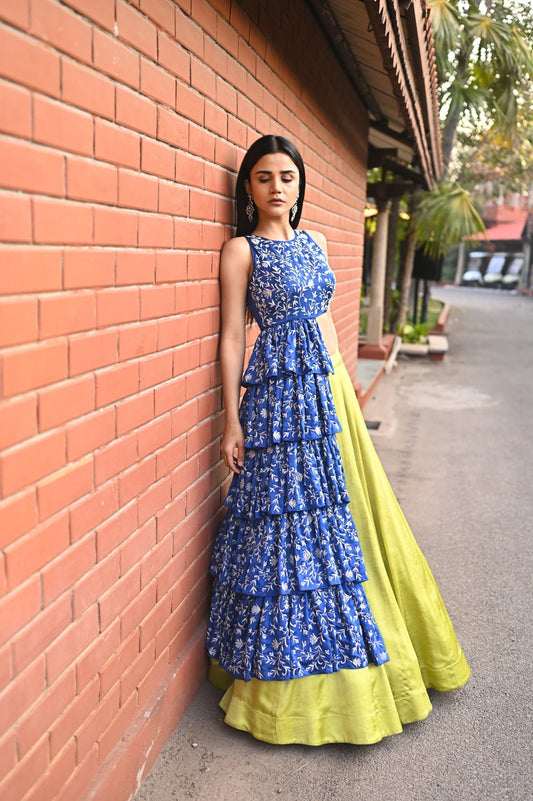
{"x": 274, "y": 184}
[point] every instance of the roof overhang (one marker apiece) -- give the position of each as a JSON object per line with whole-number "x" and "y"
{"x": 386, "y": 47}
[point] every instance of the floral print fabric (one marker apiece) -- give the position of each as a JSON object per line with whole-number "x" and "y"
{"x": 288, "y": 599}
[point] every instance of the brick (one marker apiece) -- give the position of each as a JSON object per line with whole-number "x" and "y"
{"x": 27, "y": 463}
{"x": 115, "y": 530}
{"x": 226, "y": 96}
{"x": 117, "y": 145}
{"x": 155, "y": 435}
{"x": 172, "y": 332}
{"x": 137, "y": 191}
{"x": 29, "y": 270}
{"x": 161, "y": 554}
{"x": 155, "y": 231}
{"x": 189, "y": 103}
{"x": 18, "y": 515}
{"x": 91, "y": 351}
{"x": 189, "y": 171}
{"x": 172, "y": 516}
{"x": 154, "y": 621}
{"x": 89, "y": 589}
{"x": 136, "y": 30}
{"x": 157, "y": 159}
{"x": 115, "y": 457}
{"x": 29, "y": 367}
{"x": 92, "y": 510}
{"x": 91, "y": 661}
{"x": 28, "y": 555}
{"x": 15, "y": 110}
{"x": 132, "y": 677}
{"x": 202, "y": 205}
{"x": 65, "y": 313}
{"x": 135, "y": 412}
{"x": 62, "y": 126}
{"x": 8, "y": 752}
{"x": 173, "y": 199}
{"x": 62, "y": 733}
{"x": 115, "y": 306}
{"x": 17, "y": 609}
{"x": 135, "y": 480}
{"x": 132, "y": 552}
{"x": 216, "y": 119}
{"x": 63, "y": 652}
{"x": 173, "y": 56}
{"x": 171, "y": 266}
{"x": 66, "y": 401}
{"x": 169, "y": 456}
{"x": 115, "y": 59}
{"x": 29, "y": 643}
{"x": 26, "y": 773}
{"x": 84, "y": 268}
{"x": 18, "y": 322}
{"x": 84, "y": 88}
{"x": 113, "y": 603}
{"x": 117, "y": 665}
{"x": 50, "y": 783}
{"x": 15, "y": 218}
{"x": 135, "y": 267}
{"x": 100, "y": 11}
{"x": 32, "y": 168}
{"x": 155, "y": 370}
{"x": 156, "y": 302}
{"x": 60, "y": 222}
{"x": 91, "y": 180}
{"x": 89, "y": 433}
{"x": 157, "y": 83}
{"x": 161, "y": 12}
{"x": 172, "y": 128}
{"x": 29, "y": 63}
{"x": 69, "y": 566}
{"x": 202, "y": 143}
{"x": 63, "y": 488}
{"x": 121, "y": 722}
{"x": 16, "y": 12}
{"x": 61, "y": 28}
{"x": 115, "y": 227}
{"x": 135, "y": 111}
{"x": 18, "y": 420}
{"x": 190, "y": 34}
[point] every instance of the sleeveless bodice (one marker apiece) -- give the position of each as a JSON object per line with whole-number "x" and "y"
{"x": 291, "y": 280}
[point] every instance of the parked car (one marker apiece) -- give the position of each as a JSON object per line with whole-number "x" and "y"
{"x": 475, "y": 268}
{"x": 511, "y": 279}
{"x": 495, "y": 270}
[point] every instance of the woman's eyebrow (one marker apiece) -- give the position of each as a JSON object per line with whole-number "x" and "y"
{"x": 282, "y": 172}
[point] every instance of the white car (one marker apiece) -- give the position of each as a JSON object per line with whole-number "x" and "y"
{"x": 477, "y": 261}
{"x": 495, "y": 269}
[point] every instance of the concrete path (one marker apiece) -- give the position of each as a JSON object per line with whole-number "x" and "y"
{"x": 456, "y": 439}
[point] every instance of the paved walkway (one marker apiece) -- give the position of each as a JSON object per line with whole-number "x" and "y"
{"x": 456, "y": 440}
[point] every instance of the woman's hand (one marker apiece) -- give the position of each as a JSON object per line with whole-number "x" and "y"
{"x": 232, "y": 447}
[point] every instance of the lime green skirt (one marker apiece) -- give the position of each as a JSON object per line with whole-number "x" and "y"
{"x": 363, "y": 706}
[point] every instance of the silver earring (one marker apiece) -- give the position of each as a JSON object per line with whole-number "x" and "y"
{"x": 294, "y": 210}
{"x": 250, "y": 208}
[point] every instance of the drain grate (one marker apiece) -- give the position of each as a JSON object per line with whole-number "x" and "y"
{"x": 373, "y": 425}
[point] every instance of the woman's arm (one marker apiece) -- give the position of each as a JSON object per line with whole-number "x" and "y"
{"x": 325, "y": 321}
{"x": 235, "y": 264}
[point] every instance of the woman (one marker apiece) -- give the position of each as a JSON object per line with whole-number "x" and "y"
{"x": 326, "y": 624}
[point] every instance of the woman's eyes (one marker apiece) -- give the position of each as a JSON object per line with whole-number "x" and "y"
{"x": 284, "y": 180}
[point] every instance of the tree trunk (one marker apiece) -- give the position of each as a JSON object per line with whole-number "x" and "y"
{"x": 391, "y": 250}
{"x": 406, "y": 279}
{"x": 448, "y": 138}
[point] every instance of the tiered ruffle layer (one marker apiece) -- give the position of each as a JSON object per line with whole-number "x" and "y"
{"x": 363, "y": 706}
{"x": 287, "y": 598}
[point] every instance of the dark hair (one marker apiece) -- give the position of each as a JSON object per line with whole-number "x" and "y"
{"x": 262, "y": 147}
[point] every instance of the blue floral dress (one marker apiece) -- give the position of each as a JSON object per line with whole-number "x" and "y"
{"x": 288, "y": 598}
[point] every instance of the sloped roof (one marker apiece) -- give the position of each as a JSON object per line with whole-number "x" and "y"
{"x": 387, "y": 49}
{"x": 507, "y": 232}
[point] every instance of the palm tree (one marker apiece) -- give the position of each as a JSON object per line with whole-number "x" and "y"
{"x": 484, "y": 65}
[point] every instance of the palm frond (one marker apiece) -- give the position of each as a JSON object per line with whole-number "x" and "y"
{"x": 444, "y": 217}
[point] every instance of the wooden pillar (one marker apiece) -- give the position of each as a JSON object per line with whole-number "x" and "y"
{"x": 377, "y": 283}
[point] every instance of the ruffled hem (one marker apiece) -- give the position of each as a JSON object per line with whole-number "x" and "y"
{"x": 288, "y": 553}
{"x": 291, "y": 636}
{"x": 287, "y": 409}
{"x": 292, "y": 346}
{"x": 288, "y": 477}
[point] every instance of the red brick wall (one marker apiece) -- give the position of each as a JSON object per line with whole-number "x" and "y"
{"x": 122, "y": 124}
